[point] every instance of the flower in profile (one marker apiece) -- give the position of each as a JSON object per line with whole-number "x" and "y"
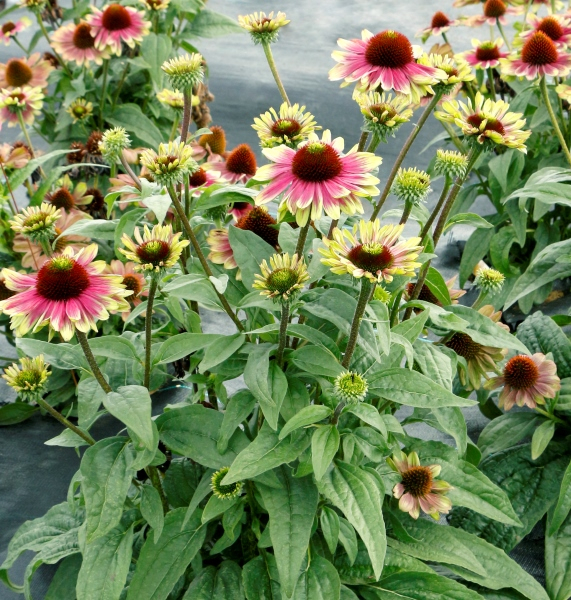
{"x": 485, "y": 55}
{"x": 14, "y": 157}
{"x": 418, "y": 489}
{"x": 185, "y": 72}
{"x": 69, "y": 292}
{"x": 113, "y": 142}
{"x": 240, "y": 209}
{"x": 427, "y": 295}
{"x": 317, "y": 177}
{"x": 411, "y": 185}
{"x": 487, "y": 122}
{"x": 221, "y": 252}
{"x": 457, "y": 70}
{"x": 225, "y": 492}
{"x": 156, "y": 250}
{"x": 116, "y": 24}
{"x": 28, "y": 378}
{"x": 527, "y": 381}
{"x": 239, "y": 166}
{"x": 489, "y": 281}
{"x": 37, "y": 222}
{"x": 382, "y": 295}
{"x": 25, "y": 101}
{"x": 440, "y": 23}
{"x": 263, "y": 29}
{"x": 450, "y": 163}
{"x": 155, "y": 5}
{"x": 80, "y": 110}
{"x": 172, "y": 98}
{"x": 386, "y": 60}
{"x": 5, "y": 293}
{"x": 564, "y": 91}
{"x": 383, "y": 113}
{"x": 556, "y": 27}
{"x": 66, "y": 198}
{"x": 283, "y": 278}
{"x": 539, "y": 56}
{"x": 215, "y": 141}
{"x": 77, "y": 43}
{"x": 291, "y": 126}
{"x": 132, "y": 280}
{"x": 9, "y": 29}
{"x": 32, "y": 71}
{"x": 172, "y": 162}
{"x": 376, "y": 253}
{"x": 350, "y": 387}
{"x": 494, "y": 11}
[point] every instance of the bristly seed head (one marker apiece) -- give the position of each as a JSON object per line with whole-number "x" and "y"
{"x": 520, "y": 372}
{"x": 417, "y": 481}
{"x": 17, "y": 72}
{"x": 539, "y": 50}
{"x": 389, "y": 49}
{"x": 371, "y": 257}
{"x": 350, "y": 387}
{"x": 116, "y": 17}
{"x": 464, "y": 346}
{"x": 242, "y": 161}
{"x": 439, "y": 20}
{"x": 224, "y": 492}
{"x": 316, "y": 162}
{"x": 62, "y": 278}
{"x": 551, "y": 27}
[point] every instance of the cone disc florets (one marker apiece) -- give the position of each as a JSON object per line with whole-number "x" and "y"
{"x": 225, "y": 492}
{"x": 350, "y": 387}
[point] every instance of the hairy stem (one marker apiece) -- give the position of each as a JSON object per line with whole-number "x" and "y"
{"x": 283, "y": 334}
{"x": 302, "y": 237}
{"x": 129, "y": 171}
{"x": 274, "y": 70}
{"x": 545, "y": 94}
{"x": 492, "y": 83}
{"x": 57, "y": 415}
{"x": 362, "y": 141}
{"x": 426, "y": 229}
{"x": 149, "y": 329}
{"x": 153, "y": 474}
{"x": 83, "y": 342}
{"x": 186, "y": 114}
{"x": 359, "y": 312}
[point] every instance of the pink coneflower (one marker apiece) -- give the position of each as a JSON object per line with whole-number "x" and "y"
{"x": 26, "y": 101}
{"x": 117, "y": 24}
{"x": 440, "y": 24}
{"x": 14, "y": 157}
{"x": 539, "y": 56}
{"x": 384, "y": 60}
{"x": 494, "y": 12}
{"x": 10, "y": 29}
{"x": 203, "y": 178}
{"x": 239, "y": 166}
{"x": 221, "y": 252}
{"x": 69, "y": 292}
{"x": 32, "y": 71}
{"x": 317, "y": 177}
{"x": 132, "y": 280}
{"x": 77, "y": 43}
{"x": 556, "y": 27}
{"x": 67, "y": 197}
{"x": 418, "y": 488}
{"x": 485, "y": 55}
{"x": 527, "y": 380}
{"x": 240, "y": 209}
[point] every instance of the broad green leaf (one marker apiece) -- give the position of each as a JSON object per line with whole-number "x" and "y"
{"x": 317, "y": 361}
{"x": 222, "y": 583}
{"x": 114, "y": 346}
{"x": 436, "y": 284}
{"x": 127, "y": 224}
{"x": 194, "y": 286}
{"x": 160, "y": 565}
{"x": 99, "y": 229}
{"x": 19, "y": 176}
{"x": 324, "y": 445}
{"x": 238, "y": 408}
{"x": 558, "y": 560}
{"x": 370, "y": 415}
{"x": 261, "y": 578}
{"x": 505, "y": 431}
{"x": 303, "y": 332}
{"x": 356, "y": 494}
{"x": 474, "y": 251}
{"x": 329, "y": 522}
{"x": 221, "y": 349}
{"x": 202, "y": 490}
{"x": 216, "y": 506}
{"x": 64, "y": 582}
{"x": 131, "y": 404}
{"x": 296, "y": 398}
{"x": 155, "y": 49}
{"x": 90, "y": 396}
{"x": 541, "y": 438}
{"x": 306, "y": 416}
{"x": 210, "y": 24}
{"x": 249, "y": 252}
{"x": 132, "y": 118}
{"x": 16, "y": 412}
{"x": 348, "y": 539}
{"x": 152, "y": 510}
{"x": 183, "y": 344}
{"x": 106, "y": 477}
{"x": 320, "y": 582}
{"x": 63, "y": 356}
{"x": 563, "y": 506}
{"x": 292, "y": 511}
{"x": 468, "y": 219}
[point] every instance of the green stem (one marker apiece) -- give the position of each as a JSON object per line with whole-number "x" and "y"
{"x": 338, "y": 410}
{"x": 503, "y": 34}
{"x": 130, "y": 171}
{"x": 83, "y": 342}
{"x": 22, "y": 47}
{"x": 406, "y": 212}
{"x": 45, "y": 33}
{"x": 445, "y": 38}
{"x": 119, "y": 86}
{"x": 25, "y": 132}
{"x": 274, "y": 70}
{"x": 302, "y": 237}
{"x": 359, "y": 312}
{"x": 174, "y": 128}
{"x": 362, "y": 141}
{"x": 186, "y": 113}
{"x": 283, "y": 334}
{"x": 402, "y": 154}
{"x": 545, "y": 94}
{"x": 492, "y": 83}
{"x": 149, "y": 329}
{"x": 374, "y": 143}
{"x": 57, "y": 415}
{"x": 479, "y": 300}
{"x": 103, "y": 93}
{"x": 334, "y": 224}
{"x": 153, "y": 474}
{"x": 426, "y": 229}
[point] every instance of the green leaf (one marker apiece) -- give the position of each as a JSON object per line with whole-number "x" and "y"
{"x": 195, "y": 286}
{"x": 210, "y": 24}
{"x": 224, "y": 583}
{"x": 324, "y": 446}
{"x": 413, "y": 389}
{"x": 348, "y": 539}
{"x": 434, "y": 363}
{"x": 161, "y": 565}
{"x": 202, "y": 490}
{"x": 558, "y": 560}
{"x": 100, "y": 229}
{"x": 505, "y": 431}
{"x": 126, "y": 225}
{"x": 267, "y": 452}
{"x": 320, "y": 582}
{"x": 356, "y": 494}
{"x": 10, "y": 414}
{"x": 64, "y": 582}
{"x": 181, "y": 345}
{"x": 238, "y": 408}
{"x": 476, "y": 248}
{"x": 62, "y": 356}
{"x": 131, "y": 404}
{"x": 19, "y": 176}
{"x": 221, "y": 349}
{"x": 216, "y": 507}
{"x": 106, "y": 563}
{"x": 155, "y": 50}
{"x": 468, "y": 219}
{"x": 329, "y": 521}
{"x": 317, "y": 361}
{"x": 419, "y": 586}
{"x": 152, "y": 510}
{"x": 131, "y": 117}
{"x": 541, "y": 438}
{"x": 249, "y": 252}
{"x": 370, "y": 415}
{"x": 563, "y": 506}
{"x": 261, "y": 578}
{"x": 114, "y": 346}
{"x": 90, "y": 396}
{"x": 292, "y": 511}
{"x": 437, "y": 286}
{"x": 106, "y": 477}
{"x": 306, "y": 416}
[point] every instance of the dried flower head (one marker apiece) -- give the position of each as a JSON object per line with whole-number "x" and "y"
{"x": 350, "y": 387}
{"x": 450, "y": 163}
{"x": 37, "y": 222}
{"x": 172, "y": 162}
{"x": 185, "y": 72}
{"x": 383, "y": 113}
{"x": 489, "y": 280}
{"x": 263, "y": 29}
{"x": 222, "y": 491}
{"x": 411, "y": 185}
{"x": 80, "y": 110}
{"x": 283, "y": 278}
{"x": 28, "y": 378}
{"x": 291, "y": 126}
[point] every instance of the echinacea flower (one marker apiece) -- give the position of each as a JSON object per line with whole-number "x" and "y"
{"x": 411, "y": 185}
{"x": 264, "y": 29}
{"x": 526, "y": 381}
{"x": 440, "y": 23}
{"x": 116, "y": 24}
{"x": 240, "y": 209}
{"x": 291, "y": 126}
{"x": 487, "y": 122}
{"x": 28, "y": 378}
{"x": 494, "y": 12}
{"x": 450, "y": 163}
{"x": 96, "y": 208}
{"x": 132, "y": 280}
{"x": 203, "y": 178}
{"x": 225, "y": 492}
{"x": 457, "y": 70}
{"x": 556, "y": 27}
{"x": 77, "y": 43}
{"x": 418, "y": 489}
{"x": 156, "y": 250}
{"x": 36, "y": 222}
{"x": 376, "y": 253}
{"x": 539, "y": 56}
{"x": 386, "y": 60}
{"x": 489, "y": 280}
{"x": 14, "y": 157}
{"x": 239, "y": 167}
{"x": 537, "y": 4}
{"x": 485, "y": 55}
{"x": 69, "y": 292}
{"x": 5, "y": 292}
{"x": 80, "y": 110}
{"x": 113, "y": 142}
{"x": 9, "y": 29}
{"x": 563, "y": 91}
{"x": 383, "y": 113}
{"x": 185, "y": 72}
{"x": 25, "y": 101}
{"x": 427, "y": 295}
{"x": 221, "y": 252}
{"x": 215, "y": 141}
{"x": 283, "y": 278}
{"x": 172, "y": 162}
{"x": 32, "y": 71}
{"x": 155, "y": 5}
{"x": 172, "y": 98}
{"x": 317, "y": 177}
{"x": 66, "y": 197}
{"x": 350, "y": 387}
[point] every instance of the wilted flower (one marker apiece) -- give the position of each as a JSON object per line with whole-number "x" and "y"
{"x": 376, "y": 254}
{"x": 172, "y": 162}
{"x": 224, "y": 492}
{"x": 28, "y": 378}
{"x": 283, "y": 278}
{"x": 489, "y": 280}
{"x": 450, "y": 163}
{"x": 80, "y": 110}
{"x": 427, "y": 295}
{"x": 215, "y": 141}
{"x": 116, "y": 24}
{"x": 36, "y": 222}
{"x": 440, "y": 23}
{"x": 239, "y": 166}
{"x": 527, "y": 381}
{"x": 411, "y": 185}
{"x": 174, "y": 99}
{"x": 418, "y": 488}
{"x": 383, "y": 113}
{"x": 26, "y": 101}
{"x": 32, "y": 71}
{"x": 184, "y": 72}
{"x": 290, "y": 127}
{"x": 113, "y": 142}
{"x": 263, "y": 29}
{"x": 10, "y": 29}
{"x": 485, "y": 55}
{"x": 350, "y": 387}
{"x": 77, "y": 43}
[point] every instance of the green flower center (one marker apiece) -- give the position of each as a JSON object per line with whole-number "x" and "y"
{"x": 29, "y": 380}
{"x": 352, "y": 384}
{"x": 282, "y": 280}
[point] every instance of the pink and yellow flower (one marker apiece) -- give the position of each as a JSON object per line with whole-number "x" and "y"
{"x": 155, "y": 250}
{"x": 10, "y": 29}
{"x": 240, "y": 209}
{"x": 132, "y": 280}
{"x": 527, "y": 381}
{"x": 386, "y": 60}
{"x": 32, "y": 71}
{"x": 239, "y": 166}
{"x": 494, "y": 12}
{"x": 14, "y": 157}
{"x": 440, "y": 23}
{"x": 221, "y": 252}
{"x": 67, "y": 197}
{"x": 485, "y": 55}
{"x": 318, "y": 177}
{"x": 555, "y": 27}
{"x": 203, "y": 178}
{"x": 27, "y": 101}
{"x": 116, "y": 24}
{"x": 77, "y": 43}
{"x": 69, "y": 292}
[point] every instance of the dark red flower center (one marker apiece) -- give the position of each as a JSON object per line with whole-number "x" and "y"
{"x": 287, "y": 127}
{"x": 98, "y": 200}
{"x": 216, "y": 140}
{"x": 464, "y": 346}
{"x": 491, "y": 124}
{"x": 316, "y": 162}
{"x": 521, "y": 372}
{"x": 260, "y": 222}
{"x": 82, "y": 37}
{"x": 62, "y": 198}
{"x": 5, "y": 293}
{"x": 8, "y": 27}
{"x": 62, "y": 278}
{"x": 153, "y": 252}
{"x": 198, "y": 178}
{"x": 92, "y": 144}
{"x": 371, "y": 257}
{"x": 17, "y": 73}
{"x": 131, "y": 282}
{"x": 439, "y": 20}
{"x": 425, "y": 294}
{"x": 487, "y": 51}
{"x": 551, "y": 27}
{"x": 539, "y": 50}
{"x": 417, "y": 481}
{"x": 495, "y": 8}
{"x": 389, "y": 49}
{"x": 242, "y": 161}
{"x": 116, "y": 17}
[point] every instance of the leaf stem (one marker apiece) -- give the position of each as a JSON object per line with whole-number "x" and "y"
{"x": 149, "y": 328}
{"x": 545, "y": 94}
{"x": 274, "y": 70}
{"x": 359, "y": 311}
{"x": 283, "y": 334}
{"x": 84, "y": 343}
{"x": 58, "y": 416}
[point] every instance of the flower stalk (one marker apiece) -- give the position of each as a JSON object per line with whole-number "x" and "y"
{"x": 426, "y": 229}
{"x": 58, "y": 416}
{"x": 302, "y": 238}
{"x": 274, "y": 70}
{"x": 283, "y": 334}
{"x": 545, "y": 95}
{"x": 364, "y": 296}
{"x": 84, "y": 343}
{"x": 149, "y": 328}
{"x": 186, "y": 113}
